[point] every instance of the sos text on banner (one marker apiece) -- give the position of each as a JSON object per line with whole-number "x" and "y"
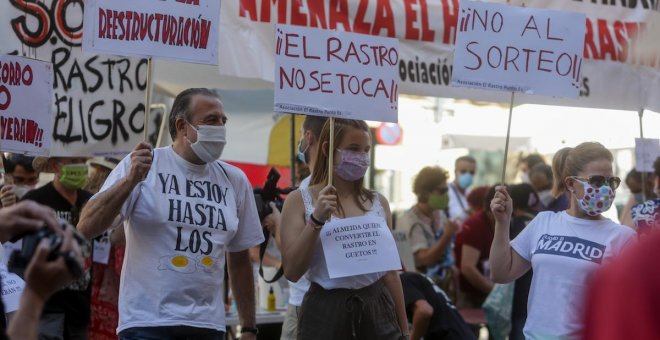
{"x": 336, "y": 74}
{"x": 518, "y": 49}
{"x": 26, "y": 92}
{"x": 97, "y": 100}
{"x": 359, "y": 245}
{"x": 172, "y": 29}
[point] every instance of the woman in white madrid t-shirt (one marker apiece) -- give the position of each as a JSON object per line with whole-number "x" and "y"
{"x": 563, "y": 248}
{"x": 358, "y": 306}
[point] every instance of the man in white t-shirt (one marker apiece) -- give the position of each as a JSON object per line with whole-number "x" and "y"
{"x": 464, "y": 169}
{"x": 307, "y": 149}
{"x": 184, "y": 210}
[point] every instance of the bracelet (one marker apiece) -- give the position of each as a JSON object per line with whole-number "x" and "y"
{"x": 253, "y": 330}
{"x": 316, "y": 221}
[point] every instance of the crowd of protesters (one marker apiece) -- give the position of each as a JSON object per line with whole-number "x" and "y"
{"x": 136, "y": 248}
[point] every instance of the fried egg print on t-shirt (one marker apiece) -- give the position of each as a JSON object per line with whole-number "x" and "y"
{"x": 208, "y": 264}
{"x": 177, "y": 263}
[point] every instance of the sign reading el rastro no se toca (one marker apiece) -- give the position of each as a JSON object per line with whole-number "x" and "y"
{"x": 336, "y": 74}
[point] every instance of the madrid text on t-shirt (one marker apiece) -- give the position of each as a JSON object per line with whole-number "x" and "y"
{"x": 570, "y": 246}
{"x": 185, "y": 207}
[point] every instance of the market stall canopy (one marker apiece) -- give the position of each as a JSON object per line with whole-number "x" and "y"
{"x": 485, "y": 143}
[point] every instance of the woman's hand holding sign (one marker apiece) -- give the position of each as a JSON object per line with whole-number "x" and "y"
{"x": 326, "y": 204}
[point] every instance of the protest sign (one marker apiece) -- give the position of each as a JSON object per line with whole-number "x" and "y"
{"x": 98, "y": 99}
{"x": 26, "y": 91}
{"x": 12, "y": 289}
{"x": 336, "y": 74}
{"x": 358, "y": 245}
{"x": 185, "y": 30}
{"x": 518, "y": 49}
{"x": 647, "y": 150}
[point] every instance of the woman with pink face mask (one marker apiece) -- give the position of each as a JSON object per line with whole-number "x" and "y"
{"x": 364, "y": 306}
{"x": 564, "y": 248}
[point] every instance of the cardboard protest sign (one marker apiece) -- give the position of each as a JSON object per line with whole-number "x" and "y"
{"x": 98, "y": 99}
{"x": 647, "y": 150}
{"x": 26, "y": 91}
{"x": 518, "y": 49}
{"x": 359, "y": 245}
{"x": 336, "y": 74}
{"x": 185, "y": 30}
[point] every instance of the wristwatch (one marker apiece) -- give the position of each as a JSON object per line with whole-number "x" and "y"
{"x": 245, "y": 329}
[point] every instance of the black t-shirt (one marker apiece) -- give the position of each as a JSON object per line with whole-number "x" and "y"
{"x": 74, "y": 300}
{"x": 446, "y": 322}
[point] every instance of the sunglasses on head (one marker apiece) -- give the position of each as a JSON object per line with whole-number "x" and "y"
{"x": 599, "y": 181}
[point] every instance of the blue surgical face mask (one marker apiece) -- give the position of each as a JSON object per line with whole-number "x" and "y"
{"x": 301, "y": 153}
{"x": 465, "y": 180}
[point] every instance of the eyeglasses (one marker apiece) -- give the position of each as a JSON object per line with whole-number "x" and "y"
{"x": 467, "y": 171}
{"x": 441, "y": 190}
{"x": 599, "y": 181}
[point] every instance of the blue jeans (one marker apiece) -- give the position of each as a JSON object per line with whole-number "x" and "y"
{"x": 171, "y": 333}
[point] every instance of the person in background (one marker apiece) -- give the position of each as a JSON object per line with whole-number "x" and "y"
{"x": 472, "y": 249}
{"x": 431, "y": 312}
{"x": 646, "y": 215}
{"x": 476, "y": 199}
{"x": 20, "y": 177}
{"x": 185, "y": 211}
{"x": 541, "y": 180}
{"x": 525, "y": 203}
{"x": 429, "y": 231}
{"x": 633, "y": 314}
{"x": 106, "y": 267}
{"x": 564, "y": 248}
{"x": 634, "y": 183}
{"x": 67, "y": 312}
{"x": 464, "y": 169}
{"x": 365, "y": 306}
{"x": 307, "y": 152}
{"x": 526, "y": 164}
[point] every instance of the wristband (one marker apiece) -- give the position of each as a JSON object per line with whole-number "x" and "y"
{"x": 316, "y": 221}
{"x": 253, "y": 330}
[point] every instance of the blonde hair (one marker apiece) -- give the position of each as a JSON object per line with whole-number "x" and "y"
{"x": 320, "y": 171}
{"x": 569, "y": 162}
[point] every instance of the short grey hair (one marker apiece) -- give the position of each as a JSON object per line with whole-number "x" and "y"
{"x": 181, "y": 106}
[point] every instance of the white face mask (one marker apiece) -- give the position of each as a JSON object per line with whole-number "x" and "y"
{"x": 21, "y": 190}
{"x": 545, "y": 197}
{"x": 211, "y": 140}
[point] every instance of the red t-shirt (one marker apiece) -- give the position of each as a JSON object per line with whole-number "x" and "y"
{"x": 477, "y": 232}
{"x": 624, "y": 299}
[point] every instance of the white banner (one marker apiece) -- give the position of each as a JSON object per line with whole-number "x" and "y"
{"x": 97, "y": 99}
{"x": 26, "y": 91}
{"x": 336, "y": 74}
{"x": 519, "y": 49}
{"x": 359, "y": 245}
{"x": 172, "y": 29}
{"x": 426, "y": 30}
{"x": 647, "y": 150}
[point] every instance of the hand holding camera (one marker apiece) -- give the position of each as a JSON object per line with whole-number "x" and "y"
{"x": 56, "y": 260}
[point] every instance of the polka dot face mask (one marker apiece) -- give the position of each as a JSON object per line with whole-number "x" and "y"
{"x": 596, "y": 200}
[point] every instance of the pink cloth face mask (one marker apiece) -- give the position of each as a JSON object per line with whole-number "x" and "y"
{"x": 353, "y": 164}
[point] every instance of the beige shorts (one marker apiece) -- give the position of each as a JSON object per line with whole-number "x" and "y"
{"x": 290, "y": 325}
